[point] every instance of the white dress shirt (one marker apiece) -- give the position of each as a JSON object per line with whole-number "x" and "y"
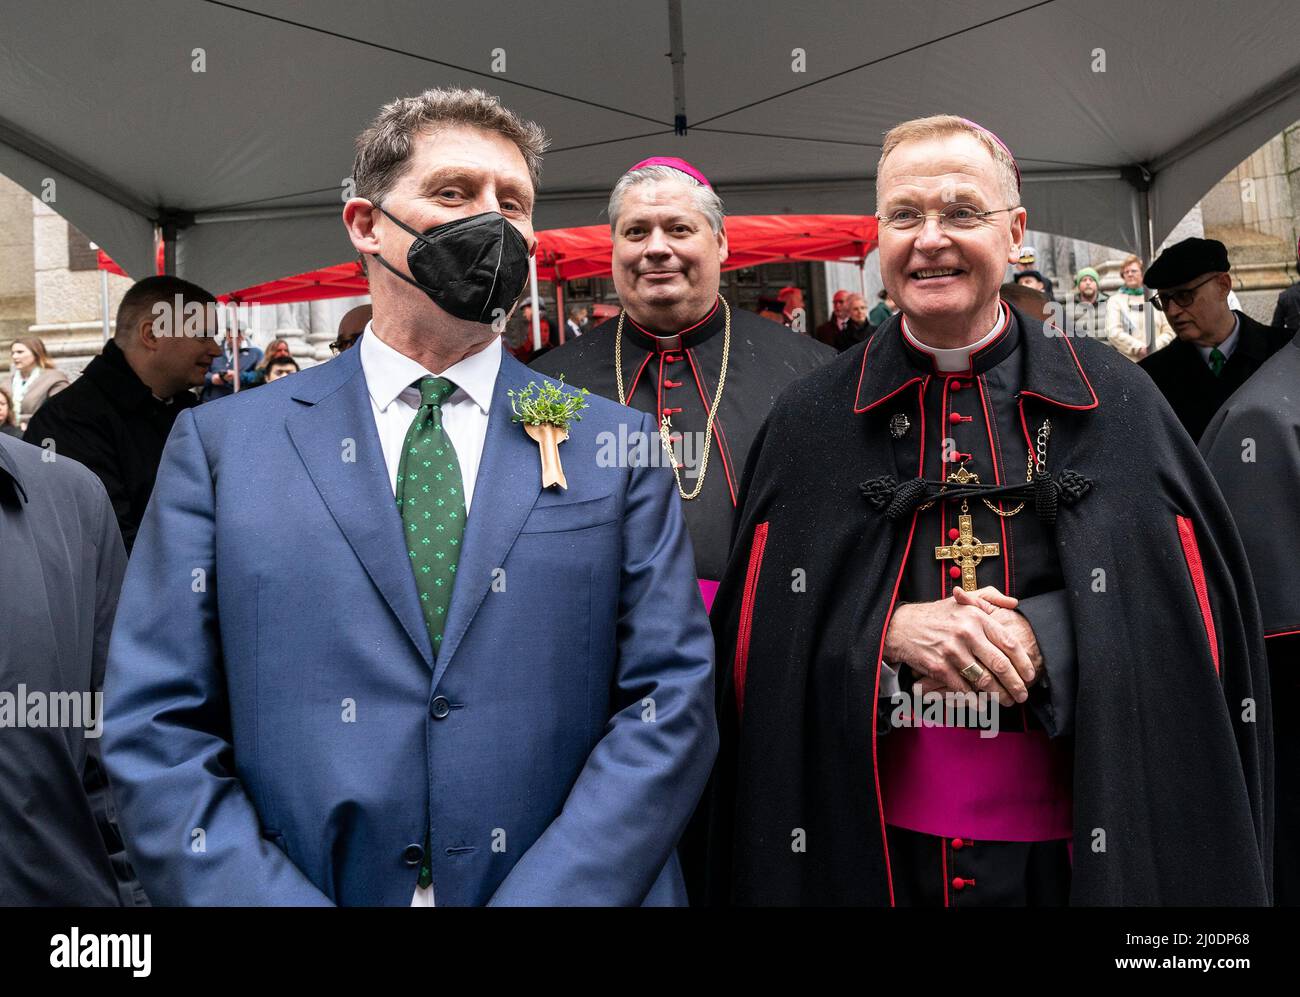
{"x": 390, "y": 377}
{"x": 1227, "y": 347}
{"x": 394, "y": 400}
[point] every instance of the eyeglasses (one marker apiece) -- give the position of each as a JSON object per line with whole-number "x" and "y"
{"x": 1183, "y": 297}
{"x": 339, "y": 345}
{"x": 953, "y": 218}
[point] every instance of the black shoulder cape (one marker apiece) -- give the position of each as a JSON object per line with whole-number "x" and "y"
{"x": 1171, "y": 783}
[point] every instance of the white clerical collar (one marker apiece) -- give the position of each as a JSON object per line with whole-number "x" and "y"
{"x": 389, "y": 373}
{"x": 957, "y": 358}
{"x": 1228, "y": 345}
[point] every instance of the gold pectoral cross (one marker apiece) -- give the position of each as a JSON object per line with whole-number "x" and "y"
{"x": 967, "y": 551}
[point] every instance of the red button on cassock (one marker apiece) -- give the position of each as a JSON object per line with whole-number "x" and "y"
{"x": 954, "y": 533}
{"x": 959, "y": 883}
{"x": 954, "y": 418}
{"x": 954, "y": 572}
{"x": 956, "y": 386}
{"x": 958, "y": 843}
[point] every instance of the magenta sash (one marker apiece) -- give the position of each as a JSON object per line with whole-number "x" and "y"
{"x": 952, "y": 783}
{"x": 708, "y": 590}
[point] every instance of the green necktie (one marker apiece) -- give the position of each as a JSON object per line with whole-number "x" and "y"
{"x": 431, "y": 500}
{"x": 1217, "y": 361}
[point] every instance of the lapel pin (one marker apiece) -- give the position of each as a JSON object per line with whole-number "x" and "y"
{"x": 546, "y": 413}
{"x": 899, "y": 425}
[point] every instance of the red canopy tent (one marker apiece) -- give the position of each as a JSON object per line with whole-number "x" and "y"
{"x": 573, "y": 253}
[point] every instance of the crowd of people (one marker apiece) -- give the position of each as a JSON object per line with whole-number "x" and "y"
{"x": 685, "y": 656}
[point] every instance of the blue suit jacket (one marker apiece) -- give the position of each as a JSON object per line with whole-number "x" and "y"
{"x": 278, "y": 731}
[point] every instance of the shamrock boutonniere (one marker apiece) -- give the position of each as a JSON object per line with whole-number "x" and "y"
{"x": 546, "y": 412}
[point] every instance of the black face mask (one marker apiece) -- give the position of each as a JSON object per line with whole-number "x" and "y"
{"x": 470, "y": 267}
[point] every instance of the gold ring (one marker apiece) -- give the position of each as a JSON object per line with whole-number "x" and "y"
{"x": 973, "y": 672}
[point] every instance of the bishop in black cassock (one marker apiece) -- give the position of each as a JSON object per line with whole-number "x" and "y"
{"x": 977, "y": 504}
{"x": 672, "y": 344}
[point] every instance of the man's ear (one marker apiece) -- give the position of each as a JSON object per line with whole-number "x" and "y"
{"x": 359, "y": 218}
{"x": 145, "y": 335}
{"x": 723, "y": 252}
{"x": 1019, "y": 219}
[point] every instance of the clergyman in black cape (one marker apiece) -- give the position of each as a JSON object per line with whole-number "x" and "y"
{"x": 973, "y": 506}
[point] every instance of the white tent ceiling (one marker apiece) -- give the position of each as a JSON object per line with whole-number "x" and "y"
{"x": 250, "y": 155}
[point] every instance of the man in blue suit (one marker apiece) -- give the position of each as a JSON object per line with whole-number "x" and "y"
{"x": 416, "y": 676}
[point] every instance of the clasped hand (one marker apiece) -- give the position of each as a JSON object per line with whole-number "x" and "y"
{"x": 938, "y": 639}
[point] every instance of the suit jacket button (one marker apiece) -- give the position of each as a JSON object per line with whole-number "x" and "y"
{"x": 439, "y": 708}
{"x": 412, "y": 855}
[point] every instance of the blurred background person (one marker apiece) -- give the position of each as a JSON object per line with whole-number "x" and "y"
{"x": 578, "y": 322}
{"x": 1126, "y": 326}
{"x": 276, "y": 349}
{"x": 8, "y": 422}
{"x": 830, "y": 331}
{"x": 1033, "y": 279}
{"x": 116, "y": 417}
{"x": 220, "y": 379}
{"x": 793, "y": 313}
{"x": 35, "y": 378}
{"x": 280, "y": 367}
{"x": 858, "y": 328}
{"x": 519, "y": 334}
{"x": 351, "y": 326}
{"x": 1088, "y": 309}
{"x": 885, "y": 307}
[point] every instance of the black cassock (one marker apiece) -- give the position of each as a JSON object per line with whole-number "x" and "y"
{"x": 1192, "y": 389}
{"x": 1138, "y": 592}
{"x": 1253, "y": 448}
{"x": 677, "y": 376}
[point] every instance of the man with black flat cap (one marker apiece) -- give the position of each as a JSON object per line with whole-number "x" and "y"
{"x": 1217, "y": 348}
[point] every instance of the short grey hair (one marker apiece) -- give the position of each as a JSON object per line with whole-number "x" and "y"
{"x": 705, "y": 200}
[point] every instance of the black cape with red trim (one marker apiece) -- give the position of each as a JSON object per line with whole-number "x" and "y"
{"x": 1172, "y": 773}
{"x": 765, "y": 358}
{"x": 1253, "y": 448}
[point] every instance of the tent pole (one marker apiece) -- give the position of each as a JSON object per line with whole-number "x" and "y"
{"x": 103, "y": 301}
{"x": 561, "y": 323}
{"x": 537, "y": 318}
{"x": 1147, "y": 235}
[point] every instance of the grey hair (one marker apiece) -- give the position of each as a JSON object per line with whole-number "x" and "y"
{"x": 706, "y": 201}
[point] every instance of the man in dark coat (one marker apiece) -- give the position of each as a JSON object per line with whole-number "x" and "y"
{"x": 1217, "y": 348}
{"x": 1287, "y": 313}
{"x": 980, "y": 642}
{"x": 63, "y": 567}
{"x": 115, "y": 418}
{"x": 1253, "y": 448}
{"x": 830, "y": 331}
{"x": 677, "y": 339}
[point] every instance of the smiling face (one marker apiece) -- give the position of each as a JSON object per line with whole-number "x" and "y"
{"x": 666, "y": 257}
{"x": 946, "y": 282}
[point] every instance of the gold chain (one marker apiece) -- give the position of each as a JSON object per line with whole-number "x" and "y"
{"x": 664, "y": 426}
{"x": 1044, "y": 434}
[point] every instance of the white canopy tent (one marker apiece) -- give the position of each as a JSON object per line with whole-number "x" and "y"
{"x": 228, "y": 127}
